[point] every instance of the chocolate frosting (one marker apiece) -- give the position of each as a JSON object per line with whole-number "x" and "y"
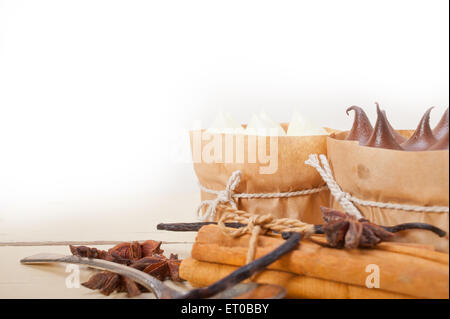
{"x": 381, "y": 136}
{"x": 398, "y": 137}
{"x": 422, "y": 138}
{"x": 441, "y": 128}
{"x": 361, "y": 129}
{"x": 441, "y": 144}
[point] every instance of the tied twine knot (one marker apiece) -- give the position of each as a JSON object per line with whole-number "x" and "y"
{"x": 258, "y": 225}
{"x": 343, "y": 198}
{"x": 223, "y": 197}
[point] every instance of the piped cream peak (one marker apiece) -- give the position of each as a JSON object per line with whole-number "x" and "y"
{"x": 361, "y": 129}
{"x": 422, "y": 138}
{"x": 381, "y": 136}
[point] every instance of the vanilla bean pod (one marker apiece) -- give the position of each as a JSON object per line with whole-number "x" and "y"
{"x": 400, "y": 227}
{"x": 185, "y": 227}
{"x": 318, "y": 229}
{"x": 246, "y": 271}
{"x": 406, "y": 226}
{"x": 181, "y": 227}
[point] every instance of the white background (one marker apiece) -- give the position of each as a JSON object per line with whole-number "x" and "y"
{"x": 93, "y": 94}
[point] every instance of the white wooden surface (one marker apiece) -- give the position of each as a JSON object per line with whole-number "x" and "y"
{"x": 21, "y": 238}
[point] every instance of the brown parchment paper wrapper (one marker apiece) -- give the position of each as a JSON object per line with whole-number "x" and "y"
{"x": 391, "y": 176}
{"x": 291, "y": 175}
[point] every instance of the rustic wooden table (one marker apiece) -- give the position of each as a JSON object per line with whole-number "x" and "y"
{"x": 21, "y": 237}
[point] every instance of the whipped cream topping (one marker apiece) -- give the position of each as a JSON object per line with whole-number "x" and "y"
{"x": 301, "y": 126}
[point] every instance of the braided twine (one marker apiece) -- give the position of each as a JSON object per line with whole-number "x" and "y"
{"x": 347, "y": 201}
{"x": 228, "y": 196}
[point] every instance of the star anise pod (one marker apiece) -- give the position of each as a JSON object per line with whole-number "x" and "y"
{"x": 122, "y": 253}
{"x": 135, "y": 250}
{"x": 160, "y": 266}
{"x": 343, "y": 230}
{"x": 146, "y": 257}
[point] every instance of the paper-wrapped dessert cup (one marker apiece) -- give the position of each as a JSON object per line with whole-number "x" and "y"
{"x": 288, "y": 174}
{"x": 391, "y": 176}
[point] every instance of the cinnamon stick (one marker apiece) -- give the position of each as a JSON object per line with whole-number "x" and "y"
{"x": 413, "y": 249}
{"x": 200, "y": 274}
{"x": 400, "y": 273}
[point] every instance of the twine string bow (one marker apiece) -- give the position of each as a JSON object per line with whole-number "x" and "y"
{"x": 340, "y": 196}
{"x": 258, "y": 225}
{"x": 223, "y": 197}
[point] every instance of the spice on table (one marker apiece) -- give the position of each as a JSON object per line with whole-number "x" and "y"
{"x": 423, "y": 274}
{"x": 201, "y": 273}
{"x": 121, "y": 253}
{"x": 341, "y": 229}
{"x": 344, "y": 230}
{"x": 147, "y": 257}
